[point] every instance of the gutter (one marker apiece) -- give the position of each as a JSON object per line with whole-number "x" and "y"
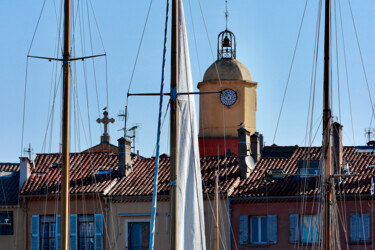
{"x": 294, "y": 197}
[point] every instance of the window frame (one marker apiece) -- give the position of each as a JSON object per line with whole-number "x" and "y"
{"x": 79, "y": 229}
{"x": 314, "y": 222}
{"x": 299, "y": 226}
{"x": 127, "y": 221}
{"x": 41, "y": 231}
{"x": 259, "y": 229}
{"x": 5, "y": 226}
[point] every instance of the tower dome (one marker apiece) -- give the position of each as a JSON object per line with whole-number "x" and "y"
{"x": 235, "y": 105}
{"x": 227, "y": 69}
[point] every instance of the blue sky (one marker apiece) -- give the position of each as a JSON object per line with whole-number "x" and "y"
{"x": 266, "y": 33}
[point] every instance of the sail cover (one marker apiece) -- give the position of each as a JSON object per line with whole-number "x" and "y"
{"x": 190, "y": 224}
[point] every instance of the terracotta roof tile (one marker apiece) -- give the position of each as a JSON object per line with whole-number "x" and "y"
{"x": 84, "y": 176}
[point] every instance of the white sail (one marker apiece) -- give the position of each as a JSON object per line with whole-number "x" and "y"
{"x": 190, "y": 222}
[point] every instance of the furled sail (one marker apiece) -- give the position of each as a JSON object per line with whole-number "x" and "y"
{"x": 190, "y": 222}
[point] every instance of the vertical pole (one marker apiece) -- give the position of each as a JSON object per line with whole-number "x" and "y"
{"x": 217, "y": 211}
{"x": 327, "y": 195}
{"x": 65, "y": 131}
{"x": 174, "y": 126}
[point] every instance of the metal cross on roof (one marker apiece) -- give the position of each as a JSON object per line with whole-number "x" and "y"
{"x": 105, "y": 121}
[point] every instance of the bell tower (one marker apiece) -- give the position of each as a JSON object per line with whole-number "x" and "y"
{"x": 221, "y": 115}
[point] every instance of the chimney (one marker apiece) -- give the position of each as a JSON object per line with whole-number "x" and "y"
{"x": 256, "y": 145}
{"x": 25, "y": 170}
{"x": 245, "y": 161}
{"x": 337, "y": 145}
{"x": 124, "y": 158}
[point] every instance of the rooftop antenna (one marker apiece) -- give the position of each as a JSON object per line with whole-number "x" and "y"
{"x": 132, "y": 137}
{"x": 29, "y": 151}
{"x": 369, "y": 134}
{"x": 123, "y": 115}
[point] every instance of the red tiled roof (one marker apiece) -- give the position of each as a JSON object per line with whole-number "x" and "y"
{"x": 9, "y": 183}
{"x": 140, "y": 181}
{"x": 257, "y": 184}
{"x": 46, "y": 176}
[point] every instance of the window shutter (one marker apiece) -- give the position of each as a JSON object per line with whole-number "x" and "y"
{"x": 98, "y": 231}
{"x": 58, "y": 232}
{"x": 366, "y": 226}
{"x": 354, "y": 227}
{"x": 293, "y": 228}
{"x": 73, "y": 232}
{"x": 272, "y": 228}
{"x": 244, "y": 229}
{"x": 35, "y": 232}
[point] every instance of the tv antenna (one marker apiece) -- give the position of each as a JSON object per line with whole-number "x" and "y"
{"x": 123, "y": 115}
{"x": 29, "y": 151}
{"x": 133, "y": 136}
{"x": 369, "y": 134}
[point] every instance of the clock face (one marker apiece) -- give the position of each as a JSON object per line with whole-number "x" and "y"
{"x": 228, "y": 97}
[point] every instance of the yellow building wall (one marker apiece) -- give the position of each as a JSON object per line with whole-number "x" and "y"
{"x": 122, "y": 212}
{"x": 17, "y": 240}
{"x": 216, "y": 119}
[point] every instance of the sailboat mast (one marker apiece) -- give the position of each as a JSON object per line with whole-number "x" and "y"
{"x": 217, "y": 211}
{"x": 174, "y": 126}
{"x": 65, "y": 131}
{"x": 327, "y": 168}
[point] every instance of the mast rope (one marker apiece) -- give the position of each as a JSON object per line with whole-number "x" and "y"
{"x": 290, "y": 71}
{"x": 161, "y": 97}
{"x": 363, "y": 64}
{"x": 346, "y": 72}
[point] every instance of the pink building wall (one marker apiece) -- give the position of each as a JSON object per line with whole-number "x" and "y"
{"x": 284, "y": 208}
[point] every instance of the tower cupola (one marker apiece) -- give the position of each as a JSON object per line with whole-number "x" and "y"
{"x": 226, "y": 45}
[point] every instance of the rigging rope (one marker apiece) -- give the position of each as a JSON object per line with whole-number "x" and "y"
{"x": 290, "y": 71}
{"x": 161, "y": 97}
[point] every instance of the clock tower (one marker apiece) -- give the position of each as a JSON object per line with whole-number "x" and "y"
{"x": 222, "y": 114}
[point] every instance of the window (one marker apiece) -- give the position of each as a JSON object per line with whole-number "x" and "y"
{"x": 6, "y": 223}
{"x": 138, "y": 234}
{"x": 304, "y": 229}
{"x": 86, "y": 228}
{"x": 263, "y": 229}
{"x": 86, "y": 232}
{"x": 359, "y": 227}
{"x": 259, "y": 230}
{"x": 47, "y": 232}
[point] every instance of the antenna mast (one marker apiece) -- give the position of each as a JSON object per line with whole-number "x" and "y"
{"x": 65, "y": 131}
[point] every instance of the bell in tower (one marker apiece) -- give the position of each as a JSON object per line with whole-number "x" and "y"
{"x": 226, "y": 44}
{"x": 221, "y": 115}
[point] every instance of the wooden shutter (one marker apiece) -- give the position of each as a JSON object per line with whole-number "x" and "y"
{"x": 98, "y": 231}
{"x": 244, "y": 229}
{"x": 34, "y": 232}
{"x": 73, "y": 232}
{"x": 366, "y": 226}
{"x": 293, "y": 228}
{"x": 272, "y": 228}
{"x": 58, "y": 232}
{"x": 354, "y": 227}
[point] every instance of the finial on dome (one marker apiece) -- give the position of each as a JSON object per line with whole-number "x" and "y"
{"x": 226, "y": 14}
{"x": 226, "y": 45}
